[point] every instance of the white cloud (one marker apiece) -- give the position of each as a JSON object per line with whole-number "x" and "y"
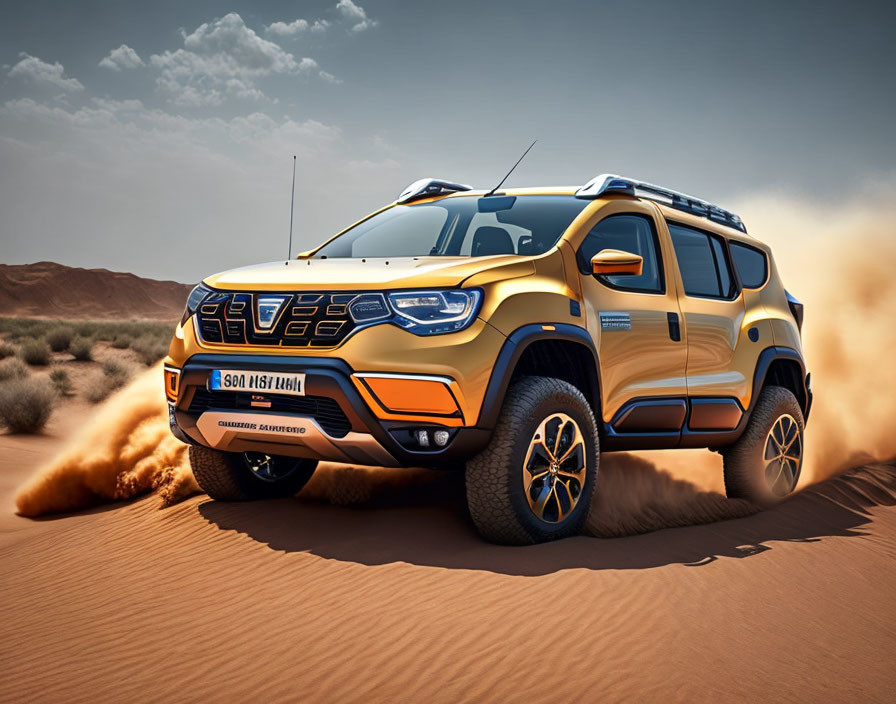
{"x": 288, "y": 29}
{"x": 121, "y": 58}
{"x": 349, "y": 12}
{"x": 220, "y": 59}
{"x": 32, "y": 69}
{"x": 355, "y": 15}
{"x": 329, "y": 77}
{"x": 230, "y": 39}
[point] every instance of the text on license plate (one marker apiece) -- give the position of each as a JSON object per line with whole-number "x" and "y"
{"x": 291, "y": 383}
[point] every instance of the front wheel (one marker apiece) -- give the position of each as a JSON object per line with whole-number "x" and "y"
{"x": 535, "y": 480}
{"x": 246, "y": 476}
{"x": 764, "y": 465}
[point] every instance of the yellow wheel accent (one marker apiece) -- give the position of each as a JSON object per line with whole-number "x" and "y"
{"x": 554, "y": 469}
{"x": 783, "y": 455}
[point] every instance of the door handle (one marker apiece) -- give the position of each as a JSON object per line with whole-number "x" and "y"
{"x": 674, "y": 327}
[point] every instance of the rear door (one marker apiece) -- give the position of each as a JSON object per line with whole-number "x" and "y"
{"x": 634, "y": 320}
{"x": 712, "y": 307}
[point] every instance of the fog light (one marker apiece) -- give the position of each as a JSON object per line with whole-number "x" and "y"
{"x": 423, "y": 438}
{"x": 441, "y": 437}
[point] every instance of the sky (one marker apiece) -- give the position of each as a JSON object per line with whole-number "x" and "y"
{"x": 157, "y": 137}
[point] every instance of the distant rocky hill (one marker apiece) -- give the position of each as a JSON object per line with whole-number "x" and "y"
{"x": 50, "y": 290}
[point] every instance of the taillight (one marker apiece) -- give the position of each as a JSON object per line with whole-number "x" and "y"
{"x": 796, "y": 308}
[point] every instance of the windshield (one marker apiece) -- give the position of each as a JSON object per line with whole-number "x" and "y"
{"x": 467, "y": 226}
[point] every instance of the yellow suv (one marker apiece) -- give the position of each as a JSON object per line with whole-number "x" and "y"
{"x": 517, "y": 334}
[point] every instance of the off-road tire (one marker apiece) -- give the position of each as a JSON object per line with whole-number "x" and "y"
{"x": 494, "y": 480}
{"x": 224, "y": 476}
{"x": 743, "y": 461}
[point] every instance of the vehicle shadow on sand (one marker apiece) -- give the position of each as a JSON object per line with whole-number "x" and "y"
{"x": 421, "y": 519}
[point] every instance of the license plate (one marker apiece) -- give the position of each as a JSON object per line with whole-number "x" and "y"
{"x": 290, "y": 383}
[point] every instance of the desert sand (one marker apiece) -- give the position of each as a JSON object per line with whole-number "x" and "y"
{"x": 395, "y": 598}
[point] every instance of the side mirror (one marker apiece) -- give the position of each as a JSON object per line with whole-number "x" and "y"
{"x": 614, "y": 261}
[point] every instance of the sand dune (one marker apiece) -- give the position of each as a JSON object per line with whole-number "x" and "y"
{"x": 50, "y": 290}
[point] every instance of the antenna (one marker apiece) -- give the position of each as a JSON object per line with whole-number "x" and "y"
{"x": 292, "y": 203}
{"x": 492, "y": 192}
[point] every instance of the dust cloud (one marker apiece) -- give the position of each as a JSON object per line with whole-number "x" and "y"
{"x": 838, "y": 259}
{"x": 125, "y": 450}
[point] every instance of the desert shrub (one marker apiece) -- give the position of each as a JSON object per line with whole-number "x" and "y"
{"x": 113, "y": 376}
{"x": 61, "y": 381}
{"x": 115, "y": 370}
{"x": 81, "y": 348}
{"x": 6, "y": 350}
{"x": 121, "y": 342}
{"x": 36, "y": 352}
{"x": 150, "y": 349}
{"x": 12, "y": 369}
{"x": 18, "y": 328}
{"x": 60, "y": 337}
{"x": 25, "y": 405}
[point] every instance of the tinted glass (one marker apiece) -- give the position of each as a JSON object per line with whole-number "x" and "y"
{"x": 627, "y": 233}
{"x": 750, "y": 264}
{"x": 701, "y": 259}
{"x": 454, "y": 227}
{"x": 725, "y": 280}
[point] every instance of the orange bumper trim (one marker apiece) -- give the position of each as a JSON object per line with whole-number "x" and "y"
{"x": 408, "y": 396}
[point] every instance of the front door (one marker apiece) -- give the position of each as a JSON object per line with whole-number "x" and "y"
{"x": 634, "y": 321}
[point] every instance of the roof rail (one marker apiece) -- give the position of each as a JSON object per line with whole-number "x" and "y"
{"x": 427, "y": 187}
{"x": 611, "y": 183}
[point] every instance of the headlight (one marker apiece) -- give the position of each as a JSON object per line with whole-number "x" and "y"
{"x": 197, "y": 295}
{"x": 435, "y": 312}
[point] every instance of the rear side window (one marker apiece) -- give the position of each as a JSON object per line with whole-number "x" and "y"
{"x": 627, "y": 233}
{"x": 702, "y": 262}
{"x": 751, "y": 265}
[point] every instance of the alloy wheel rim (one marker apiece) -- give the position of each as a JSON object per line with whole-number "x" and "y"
{"x": 783, "y": 455}
{"x": 555, "y": 468}
{"x": 266, "y": 467}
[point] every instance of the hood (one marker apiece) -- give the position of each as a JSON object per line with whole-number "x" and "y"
{"x": 367, "y": 274}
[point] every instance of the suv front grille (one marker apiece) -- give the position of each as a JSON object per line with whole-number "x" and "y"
{"x": 324, "y": 410}
{"x": 301, "y": 320}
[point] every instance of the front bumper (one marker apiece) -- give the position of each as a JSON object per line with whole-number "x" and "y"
{"x": 359, "y": 437}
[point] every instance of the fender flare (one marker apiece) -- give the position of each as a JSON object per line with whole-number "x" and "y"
{"x": 513, "y": 348}
{"x": 764, "y": 362}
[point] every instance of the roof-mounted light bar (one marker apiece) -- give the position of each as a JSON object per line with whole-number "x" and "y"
{"x": 611, "y": 183}
{"x": 428, "y": 187}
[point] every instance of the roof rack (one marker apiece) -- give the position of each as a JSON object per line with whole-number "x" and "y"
{"x": 611, "y": 183}
{"x": 427, "y": 187}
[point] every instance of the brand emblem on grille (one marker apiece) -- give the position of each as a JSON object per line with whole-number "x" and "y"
{"x": 268, "y": 308}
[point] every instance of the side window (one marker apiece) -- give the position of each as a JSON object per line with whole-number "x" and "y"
{"x": 750, "y": 263}
{"x": 702, "y": 262}
{"x": 627, "y": 233}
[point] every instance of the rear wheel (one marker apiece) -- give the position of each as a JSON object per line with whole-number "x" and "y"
{"x": 245, "y": 476}
{"x": 764, "y": 465}
{"x": 535, "y": 480}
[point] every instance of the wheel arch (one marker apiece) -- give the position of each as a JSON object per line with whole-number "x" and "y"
{"x": 559, "y": 350}
{"x": 782, "y": 366}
